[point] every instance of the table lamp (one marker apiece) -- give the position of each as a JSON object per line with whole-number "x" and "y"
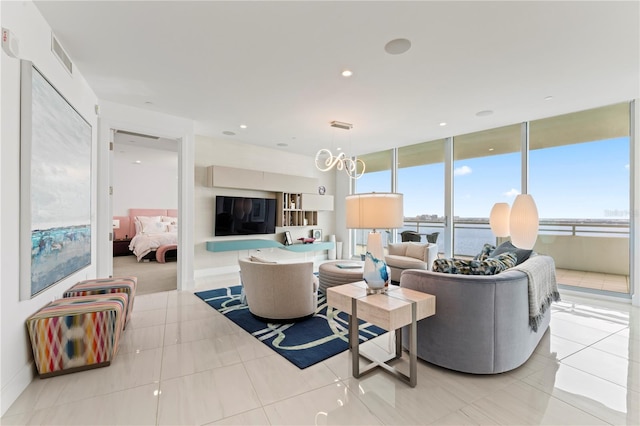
{"x": 376, "y": 210}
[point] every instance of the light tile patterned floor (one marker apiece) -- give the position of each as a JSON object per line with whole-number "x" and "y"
{"x": 181, "y": 362}
{"x": 593, "y": 280}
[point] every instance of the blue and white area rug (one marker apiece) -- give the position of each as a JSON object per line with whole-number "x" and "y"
{"x": 304, "y": 343}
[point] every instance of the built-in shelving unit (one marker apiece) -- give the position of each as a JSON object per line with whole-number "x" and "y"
{"x": 298, "y": 207}
{"x": 289, "y": 207}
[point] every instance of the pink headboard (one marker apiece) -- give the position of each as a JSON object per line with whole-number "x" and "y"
{"x": 127, "y": 223}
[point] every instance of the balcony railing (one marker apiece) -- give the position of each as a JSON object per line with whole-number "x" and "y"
{"x": 590, "y": 246}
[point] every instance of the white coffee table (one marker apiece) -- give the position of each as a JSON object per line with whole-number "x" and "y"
{"x": 396, "y": 308}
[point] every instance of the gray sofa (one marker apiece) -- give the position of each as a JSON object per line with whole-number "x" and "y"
{"x": 481, "y": 324}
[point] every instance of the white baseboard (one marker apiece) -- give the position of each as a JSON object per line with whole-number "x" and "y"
{"x": 12, "y": 390}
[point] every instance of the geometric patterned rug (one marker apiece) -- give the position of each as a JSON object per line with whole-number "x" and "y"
{"x": 303, "y": 343}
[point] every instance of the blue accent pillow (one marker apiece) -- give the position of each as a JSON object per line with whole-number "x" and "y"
{"x": 508, "y": 247}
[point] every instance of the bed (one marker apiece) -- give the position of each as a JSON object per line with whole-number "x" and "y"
{"x": 152, "y": 232}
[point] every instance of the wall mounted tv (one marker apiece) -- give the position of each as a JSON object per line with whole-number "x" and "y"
{"x": 244, "y": 216}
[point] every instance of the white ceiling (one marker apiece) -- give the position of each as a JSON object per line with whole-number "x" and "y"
{"x": 275, "y": 66}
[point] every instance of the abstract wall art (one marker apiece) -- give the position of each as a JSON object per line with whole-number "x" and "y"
{"x": 55, "y": 201}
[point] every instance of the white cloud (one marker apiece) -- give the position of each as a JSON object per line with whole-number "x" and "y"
{"x": 511, "y": 193}
{"x": 626, "y": 166}
{"x": 461, "y": 171}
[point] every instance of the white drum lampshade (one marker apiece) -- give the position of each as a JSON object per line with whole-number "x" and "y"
{"x": 376, "y": 210}
{"x": 523, "y": 222}
{"x": 499, "y": 219}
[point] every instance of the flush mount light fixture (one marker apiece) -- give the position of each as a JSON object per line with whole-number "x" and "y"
{"x": 137, "y": 162}
{"x": 397, "y": 46}
{"x": 347, "y": 73}
{"x": 442, "y": 124}
{"x": 243, "y": 126}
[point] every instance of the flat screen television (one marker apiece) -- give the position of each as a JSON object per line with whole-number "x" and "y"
{"x": 244, "y": 216}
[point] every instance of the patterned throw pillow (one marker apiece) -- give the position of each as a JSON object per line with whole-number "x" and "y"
{"x": 489, "y": 266}
{"x": 486, "y": 249}
{"x": 449, "y": 266}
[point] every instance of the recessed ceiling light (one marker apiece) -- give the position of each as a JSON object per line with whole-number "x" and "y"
{"x": 397, "y": 46}
{"x": 228, "y": 133}
{"x": 283, "y": 144}
{"x": 347, "y": 73}
{"x": 148, "y": 103}
{"x": 548, "y": 98}
{"x": 443, "y": 124}
{"x": 484, "y": 113}
{"x": 243, "y": 126}
{"x": 490, "y": 149}
{"x": 137, "y": 162}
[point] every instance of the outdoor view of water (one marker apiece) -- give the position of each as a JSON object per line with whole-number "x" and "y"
{"x": 468, "y": 241}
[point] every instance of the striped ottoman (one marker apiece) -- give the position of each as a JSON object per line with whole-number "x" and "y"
{"x": 76, "y": 333}
{"x": 104, "y": 286}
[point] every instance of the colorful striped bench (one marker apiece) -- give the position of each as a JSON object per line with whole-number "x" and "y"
{"x": 77, "y": 333}
{"x": 105, "y": 286}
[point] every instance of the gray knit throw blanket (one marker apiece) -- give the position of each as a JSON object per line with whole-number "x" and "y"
{"x": 543, "y": 288}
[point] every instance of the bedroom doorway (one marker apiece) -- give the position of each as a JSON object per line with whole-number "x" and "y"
{"x": 144, "y": 175}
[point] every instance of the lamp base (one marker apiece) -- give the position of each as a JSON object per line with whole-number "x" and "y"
{"x": 375, "y": 274}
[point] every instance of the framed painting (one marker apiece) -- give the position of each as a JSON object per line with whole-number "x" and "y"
{"x": 55, "y": 185}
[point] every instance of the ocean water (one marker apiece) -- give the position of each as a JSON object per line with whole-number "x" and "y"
{"x": 467, "y": 241}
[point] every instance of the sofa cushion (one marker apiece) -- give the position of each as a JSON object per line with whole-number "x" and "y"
{"x": 508, "y": 247}
{"x": 484, "y": 253}
{"x": 417, "y": 251}
{"x": 404, "y": 262}
{"x": 397, "y": 249}
{"x": 489, "y": 266}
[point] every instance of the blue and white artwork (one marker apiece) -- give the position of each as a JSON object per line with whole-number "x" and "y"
{"x": 60, "y": 186}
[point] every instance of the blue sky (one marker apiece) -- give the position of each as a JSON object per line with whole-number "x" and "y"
{"x": 580, "y": 181}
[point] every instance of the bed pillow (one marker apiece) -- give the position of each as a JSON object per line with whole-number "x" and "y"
{"x": 170, "y": 220}
{"x": 139, "y": 222}
{"x": 508, "y": 247}
{"x": 154, "y": 227}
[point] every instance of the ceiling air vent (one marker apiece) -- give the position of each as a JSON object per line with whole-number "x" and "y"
{"x": 59, "y": 53}
{"x": 341, "y": 125}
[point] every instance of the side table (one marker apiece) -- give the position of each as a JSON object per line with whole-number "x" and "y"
{"x": 396, "y": 308}
{"x": 121, "y": 247}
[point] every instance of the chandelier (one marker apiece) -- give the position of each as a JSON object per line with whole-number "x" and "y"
{"x": 325, "y": 160}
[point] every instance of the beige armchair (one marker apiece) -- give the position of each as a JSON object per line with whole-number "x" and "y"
{"x": 279, "y": 291}
{"x": 410, "y": 255}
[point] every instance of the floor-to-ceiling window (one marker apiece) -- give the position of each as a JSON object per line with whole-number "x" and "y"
{"x": 579, "y": 177}
{"x": 421, "y": 180}
{"x": 486, "y": 170}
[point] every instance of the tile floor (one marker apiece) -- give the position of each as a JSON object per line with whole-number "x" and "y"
{"x": 593, "y": 280}
{"x": 180, "y": 362}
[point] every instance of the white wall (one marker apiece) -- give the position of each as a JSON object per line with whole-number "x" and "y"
{"x": 208, "y": 152}
{"x": 33, "y": 33}
{"x": 151, "y": 184}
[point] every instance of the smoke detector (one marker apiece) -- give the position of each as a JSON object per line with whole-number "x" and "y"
{"x": 341, "y": 125}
